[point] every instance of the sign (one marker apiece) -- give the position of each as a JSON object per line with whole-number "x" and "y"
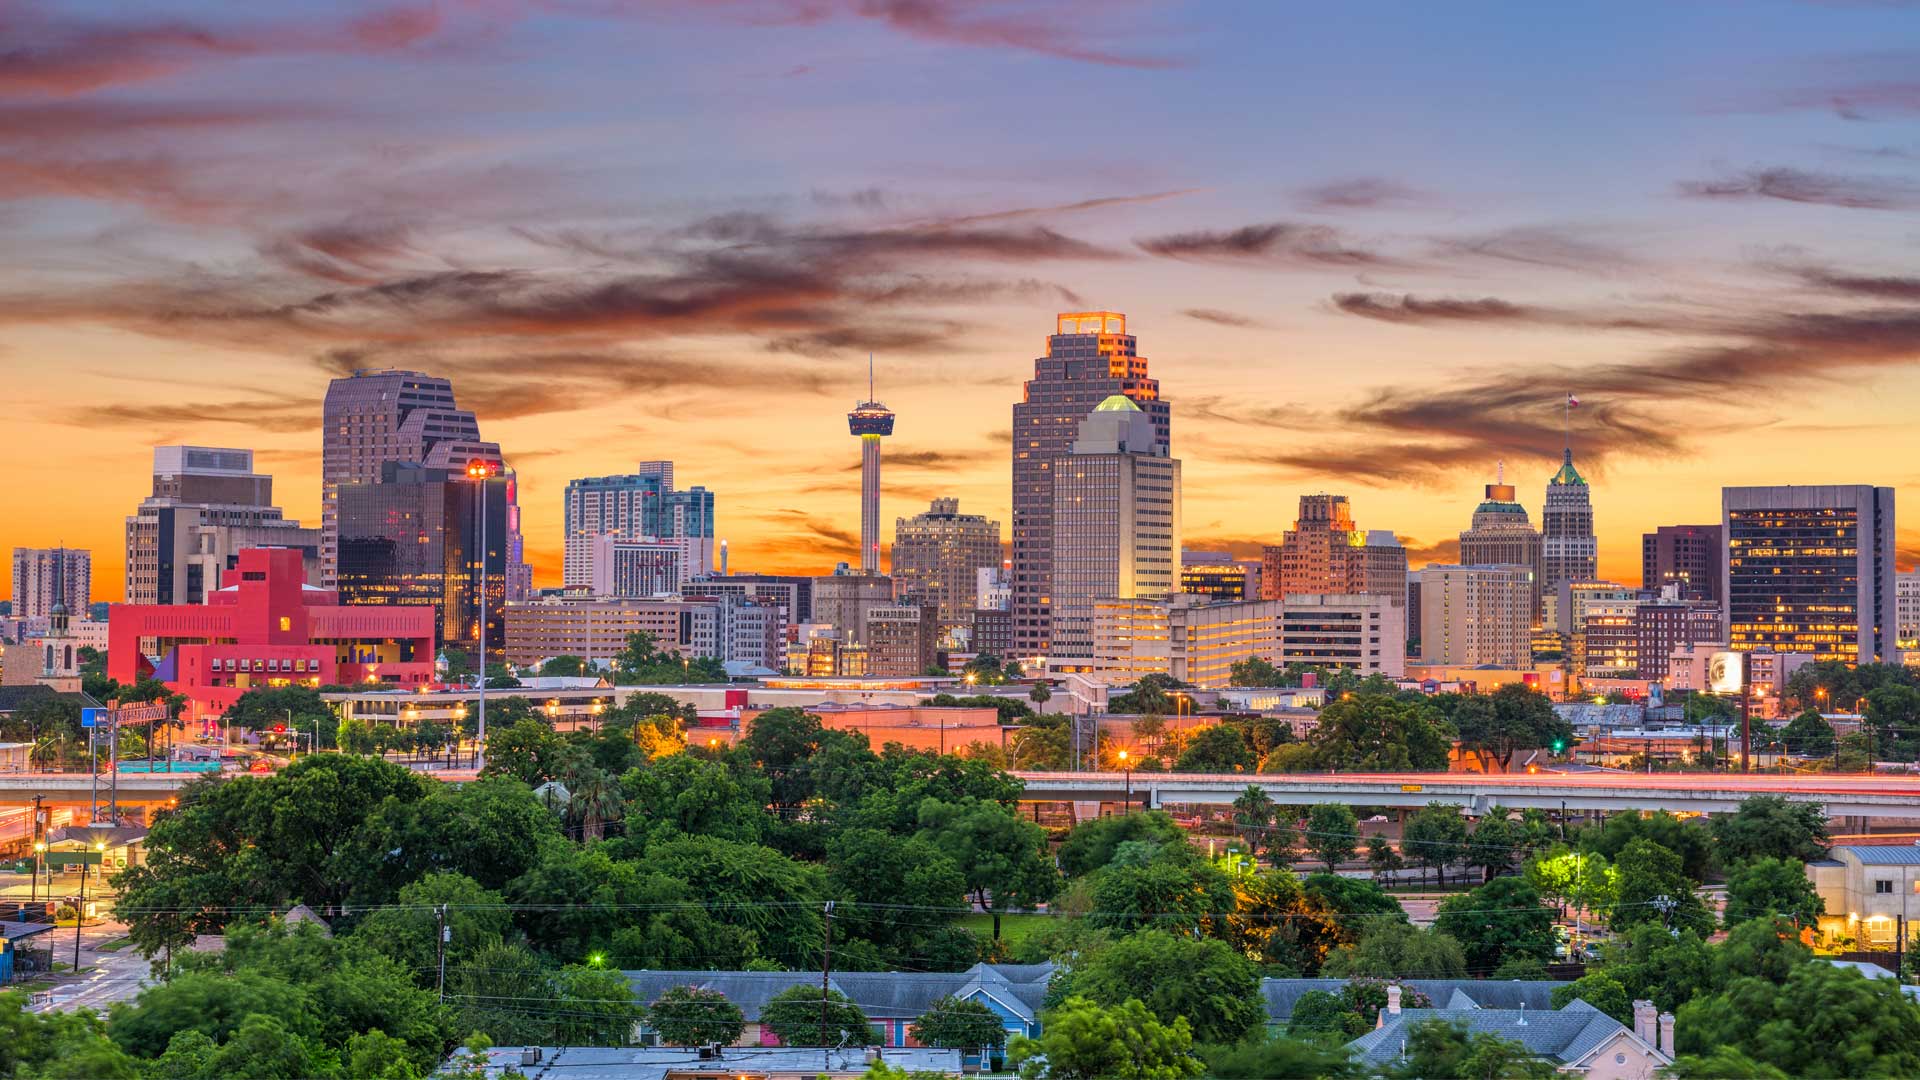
{"x": 1410, "y": 788}
{"x": 140, "y": 714}
{"x": 1726, "y": 672}
{"x": 92, "y": 717}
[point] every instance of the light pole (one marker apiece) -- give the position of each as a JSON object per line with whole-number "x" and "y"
{"x": 39, "y": 860}
{"x": 1127, "y": 769}
{"x": 482, "y": 471}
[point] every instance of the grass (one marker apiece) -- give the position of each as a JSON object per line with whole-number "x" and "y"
{"x": 115, "y": 945}
{"x": 1013, "y": 928}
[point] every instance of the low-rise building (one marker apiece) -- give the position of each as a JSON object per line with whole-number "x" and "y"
{"x": 1198, "y": 642}
{"x": 593, "y": 628}
{"x": 1576, "y": 1039}
{"x": 1868, "y": 891}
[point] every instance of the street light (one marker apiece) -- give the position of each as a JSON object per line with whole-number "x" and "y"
{"x": 1125, "y": 767}
{"x": 39, "y": 860}
{"x": 482, "y": 471}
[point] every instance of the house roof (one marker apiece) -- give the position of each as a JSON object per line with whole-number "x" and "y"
{"x": 880, "y": 994}
{"x": 1562, "y": 1036}
{"x": 655, "y": 1062}
{"x": 1884, "y": 855}
{"x": 14, "y": 931}
{"x": 13, "y": 697}
{"x": 1531, "y": 994}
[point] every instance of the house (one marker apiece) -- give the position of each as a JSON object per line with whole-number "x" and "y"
{"x": 693, "y": 1063}
{"x": 1867, "y": 889}
{"x": 1535, "y": 994}
{"x": 14, "y": 936}
{"x": 1579, "y": 1040}
{"x": 893, "y": 1000}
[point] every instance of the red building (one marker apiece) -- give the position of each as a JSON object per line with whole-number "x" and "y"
{"x": 270, "y": 628}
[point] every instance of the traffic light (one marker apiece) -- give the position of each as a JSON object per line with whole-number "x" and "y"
{"x": 1559, "y": 746}
{"x": 279, "y": 729}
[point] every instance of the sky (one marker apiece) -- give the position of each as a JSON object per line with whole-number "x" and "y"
{"x": 1366, "y": 248}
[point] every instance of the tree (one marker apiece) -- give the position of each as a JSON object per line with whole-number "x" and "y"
{"x": 1204, "y": 983}
{"x": 1039, "y": 695}
{"x": 1380, "y": 733}
{"x": 1893, "y": 718}
{"x": 1253, "y": 817}
{"x": 1390, "y": 949}
{"x": 1766, "y": 886}
{"x": 1722, "y": 1063}
{"x": 564, "y": 667}
{"x": 593, "y": 1006}
{"x": 1161, "y": 888}
{"x": 1382, "y": 859}
{"x": 640, "y": 664}
{"x": 1434, "y": 836}
{"x": 1317, "y": 1012}
{"x": 475, "y": 918}
{"x": 1003, "y": 855}
{"x": 1600, "y": 989}
{"x": 799, "y": 1014}
{"x": 961, "y": 1025}
{"x": 1445, "y": 1048}
{"x": 1082, "y": 1040}
{"x": 1217, "y": 748}
{"x": 1496, "y": 922}
{"x": 1652, "y": 888}
{"x": 528, "y": 750}
{"x": 1768, "y": 826}
{"x": 1579, "y": 878}
{"x": 1279, "y": 1057}
{"x": 1495, "y": 844}
{"x": 379, "y": 1056}
{"x": 1513, "y": 718}
{"x": 1691, "y": 841}
{"x": 263, "y": 1048}
{"x": 1808, "y": 735}
{"x": 1821, "y": 1021}
{"x": 1333, "y": 833}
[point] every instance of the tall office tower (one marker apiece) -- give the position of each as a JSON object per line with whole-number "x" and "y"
{"x": 374, "y": 417}
{"x": 1472, "y": 616}
{"x": 1906, "y": 620}
{"x": 1326, "y": 554}
{"x": 870, "y": 422}
{"x": 207, "y": 506}
{"x": 1810, "y": 569}
{"x": 1685, "y": 555}
{"x": 938, "y": 556}
{"x": 43, "y": 577}
{"x": 1567, "y": 548}
{"x": 415, "y": 538}
{"x": 1089, "y": 358}
{"x": 1116, "y": 522}
{"x": 844, "y": 598}
{"x": 641, "y": 505}
{"x": 1501, "y": 535}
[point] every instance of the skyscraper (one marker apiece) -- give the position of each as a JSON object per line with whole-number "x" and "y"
{"x": 1567, "y": 548}
{"x": 1501, "y": 535}
{"x": 1476, "y": 615}
{"x": 1688, "y": 556}
{"x": 43, "y": 577}
{"x": 1325, "y": 553}
{"x": 938, "y": 556}
{"x": 1090, "y": 357}
{"x": 870, "y": 422}
{"x": 1116, "y": 522}
{"x": 207, "y": 506}
{"x": 1811, "y": 570}
{"x": 641, "y": 505}
{"x": 374, "y": 417}
{"x": 414, "y": 537}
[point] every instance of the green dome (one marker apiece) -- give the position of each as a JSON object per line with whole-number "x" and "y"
{"x": 1567, "y": 474}
{"x": 1117, "y": 403}
{"x": 1493, "y": 507}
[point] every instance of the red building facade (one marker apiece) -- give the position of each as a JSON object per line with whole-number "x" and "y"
{"x": 269, "y": 629}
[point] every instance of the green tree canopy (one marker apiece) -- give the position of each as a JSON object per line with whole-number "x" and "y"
{"x": 1216, "y": 748}
{"x": 1390, "y": 949}
{"x": 1082, "y": 1040}
{"x": 1652, "y": 888}
{"x": 799, "y": 1014}
{"x": 1332, "y": 833}
{"x": 964, "y": 1025}
{"x": 1821, "y": 1021}
{"x": 1434, "y": 836}
{"x": 1690, "y": 840}
{"x": 1497, "y": 922}
{"x": 1808, "y": 735}
{"x": 1380, "y": 733}
{"x": 1767, "y": 886}
{"x": 695, "y": 1016}
{"x": 1204, "y": 983}
{"x": 1440, "y": 1047}
{"x": 1768, "y": 826}
{"x": 1514, "y": 717}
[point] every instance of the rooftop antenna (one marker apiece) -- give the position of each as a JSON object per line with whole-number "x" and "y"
{"x": 869, "y": 376}
{"x": 1500, "y": 471}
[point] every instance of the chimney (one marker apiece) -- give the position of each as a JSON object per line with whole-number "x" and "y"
{"x": 1393, "y": 1000}
{"x": 1666, "y": 1034}
{"x": 1644, "y": 1021}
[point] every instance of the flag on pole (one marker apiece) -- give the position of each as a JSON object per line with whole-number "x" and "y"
{"x": 1572, "y": 402}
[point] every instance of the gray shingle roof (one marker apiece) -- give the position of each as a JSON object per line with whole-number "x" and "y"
{"x": 1885, "y": 854}
{"x": 1561, "y": 1036}
{"x": 882, "y": 995}
{"x": 1281, "y": 994}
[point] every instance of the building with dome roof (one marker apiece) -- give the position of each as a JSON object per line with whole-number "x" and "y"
{"x": 1502, "y": 535}
{"x": 1115, "y": 523}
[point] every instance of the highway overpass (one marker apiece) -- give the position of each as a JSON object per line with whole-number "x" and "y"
{"x": 76, "y": 789}
{"x": 1842, "y": 796}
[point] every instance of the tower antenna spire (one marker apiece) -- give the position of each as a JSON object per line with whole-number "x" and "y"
{"x": 869, "y": 376}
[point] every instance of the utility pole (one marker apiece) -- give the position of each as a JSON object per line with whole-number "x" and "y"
{"x": 79, "y": 912}
{"x": 441, "y": 937}
{"x": 826, "y": 969}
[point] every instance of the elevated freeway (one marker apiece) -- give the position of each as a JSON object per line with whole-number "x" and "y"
{"x": 1841, "y": 796}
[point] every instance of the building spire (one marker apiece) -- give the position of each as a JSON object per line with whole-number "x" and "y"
{"x": 1500, "y": 471}
{"x": 869, "y": 376}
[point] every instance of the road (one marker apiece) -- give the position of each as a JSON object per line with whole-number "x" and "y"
{"x": 105, "y": 977}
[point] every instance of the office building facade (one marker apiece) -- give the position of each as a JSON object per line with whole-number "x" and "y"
{"x": 1664, "y": 625}
{"x": 938, "y": 556}
{"x": 1568, "y": 550}
{"x": 844, "y": 598}
{"x": 902, "y": 639}
{"x": 1471, "y": 616}
{"x": 595, "y": 629}
{"x": 1116, "y": 522}
{"x": 1502, "y": 535}
{"x": 375, "y": 417}
{"x": 207, "y": 505}
{"x": 792, "y": 594}
{"x": 1198, "y": 642}
{"x": 45, "y": 578}
{"x": 1325, "y": 553}
{"x": 414, "y": 537}
{"x": 641, "y": 505}
{"x": 1906, "y": 616}
{"x": 635, "y": 568}
{"x": 1687, "y": 556}
{"x": 1810, "y": 569}
{"x": 1090, "y": 357}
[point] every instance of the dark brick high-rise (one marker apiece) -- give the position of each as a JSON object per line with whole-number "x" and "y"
{"x": 1690, "y": 556}
{"x": 1090, "y": 357}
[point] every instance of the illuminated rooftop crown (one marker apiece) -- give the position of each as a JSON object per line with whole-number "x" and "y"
{"x": 869, "y": 417}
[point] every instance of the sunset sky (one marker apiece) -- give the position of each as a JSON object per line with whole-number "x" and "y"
{"x": 1367, "y": 248}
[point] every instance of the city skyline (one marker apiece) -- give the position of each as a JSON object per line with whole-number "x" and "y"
{"x": 1693, "y": 224}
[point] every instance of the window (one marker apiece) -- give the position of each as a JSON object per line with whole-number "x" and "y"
{"x": 286, "y": 622}
{"x": 1883, "y": 886}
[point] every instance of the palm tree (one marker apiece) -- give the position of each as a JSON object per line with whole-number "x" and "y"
{"x": 1039, "y": 695}
{"x": 596, "y": 800}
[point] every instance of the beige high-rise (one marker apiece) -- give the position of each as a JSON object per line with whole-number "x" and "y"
{"x": 1476, "y": 615}
{"x": 938, "y": 556}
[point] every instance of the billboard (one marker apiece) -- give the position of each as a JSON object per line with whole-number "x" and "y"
{"x": 1726, "y": 673}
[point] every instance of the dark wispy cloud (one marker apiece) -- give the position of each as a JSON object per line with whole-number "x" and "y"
{"x": 1360, "y": 193}
{"x": 276, "y": 414}
{"x": 1240, "y": 547}
{"x": 1101, "y": 203}
{"x": 1066, "y": 29}
{"x": 1221, "y": 318}
{"x": 803, "y": 527}
{"x": 347, "y": 253}
{"x": 1387, "y": 307}
{"x": 1421, "y": 552}
{"x": 1555, "y": 247}
{"x": 1274, "y": 243}
{"x": 1870, "y": 286}
{"x": 1804, "y": 186}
